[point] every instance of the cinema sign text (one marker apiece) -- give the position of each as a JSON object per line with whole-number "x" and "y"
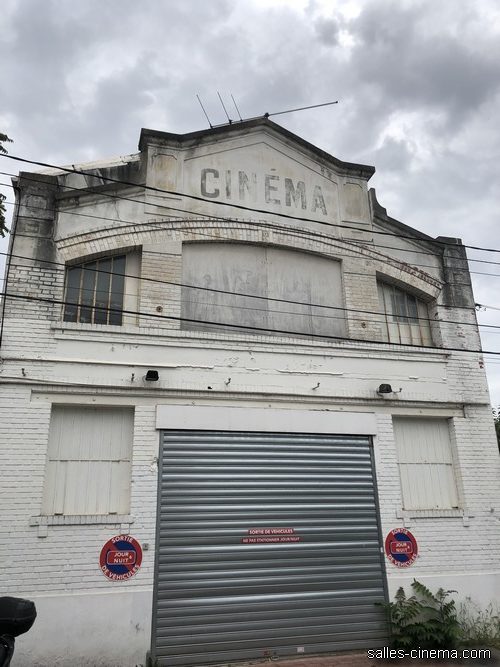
{"x": 247, "y": 187}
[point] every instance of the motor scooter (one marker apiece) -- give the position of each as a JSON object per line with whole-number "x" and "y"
{"x": 16, "y": 617}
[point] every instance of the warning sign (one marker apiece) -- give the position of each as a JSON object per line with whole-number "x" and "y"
{"x": 270, "y": 536}
{"x": 401, "y": 547}
{"x": 120, "y": 558}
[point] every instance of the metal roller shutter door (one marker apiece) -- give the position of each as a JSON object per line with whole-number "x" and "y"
{"x": 267, "y": 544}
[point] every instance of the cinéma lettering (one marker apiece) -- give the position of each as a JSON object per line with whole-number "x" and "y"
{"x": 248, "y": 188}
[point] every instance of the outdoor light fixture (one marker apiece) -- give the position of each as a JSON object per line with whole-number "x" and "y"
{"x": 152, "y": 376}
{"x": 386, "y": 389}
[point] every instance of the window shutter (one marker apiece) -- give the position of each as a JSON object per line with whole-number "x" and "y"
{"x": 405, "y": 317}
{"x": 89, "y": 458}
{"x": 425, "y": 463}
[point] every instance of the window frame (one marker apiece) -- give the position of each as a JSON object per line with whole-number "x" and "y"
{"x": 429, "y": 472}
{"x": 275, "y": 312}
{"x": 81, "y": 455}
{"x": 411, "y": 326}
{"x": 119, "y": 306}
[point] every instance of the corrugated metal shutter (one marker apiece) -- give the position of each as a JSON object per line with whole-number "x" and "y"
{"x": 268, "y": 544}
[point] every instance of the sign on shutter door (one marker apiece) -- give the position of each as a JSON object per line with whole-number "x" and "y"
{"x": 267, "y": 544}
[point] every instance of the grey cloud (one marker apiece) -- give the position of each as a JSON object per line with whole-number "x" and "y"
{"x": 149, "y": 48}
{"x": 416, "y": 68}
{"x": 327, "y": 29}
{"x": 393, "y": 155}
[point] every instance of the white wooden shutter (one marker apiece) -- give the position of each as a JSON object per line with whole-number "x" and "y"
{"x": 88, "y": 466}
{"x": 425, "y": 463}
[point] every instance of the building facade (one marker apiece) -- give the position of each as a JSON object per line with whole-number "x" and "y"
{"x": 223, "y": 351}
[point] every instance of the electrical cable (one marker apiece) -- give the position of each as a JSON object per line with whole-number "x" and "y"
{"x": 411, "y": 320}
{"x": 255, "y": 296}
{"x": 299, "y": 220}
{"x": 298, "y": 233}
{"x": 161, "y": 226}
{"x": 150, "y": 188}
{"x": 246, "y": 327}
{"x": 289, "y": 301}
{"x": 115, "y": 196}
{"x": 206, "y": 217}
{"x": 240, "y": 294}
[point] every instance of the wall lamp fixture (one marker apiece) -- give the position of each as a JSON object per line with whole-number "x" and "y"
{"x": 385, "y": 389}
{"x": 152, "y": 376}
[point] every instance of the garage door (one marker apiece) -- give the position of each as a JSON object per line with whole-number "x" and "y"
{"x": 267, "y": 545}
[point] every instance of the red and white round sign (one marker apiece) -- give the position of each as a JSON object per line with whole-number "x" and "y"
{"x": 120, "y": 558}
{"x": 401, "y": 547}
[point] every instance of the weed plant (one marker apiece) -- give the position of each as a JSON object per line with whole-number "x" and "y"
{"x": 424, "y": 620}
{"x": 479, "y": 627}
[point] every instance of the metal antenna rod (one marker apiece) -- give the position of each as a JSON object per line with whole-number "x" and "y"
{"x": 236, "y": 106}
{"x": 220, "y": 98}
{"x": 312, "y": 106}
{"x": 201, "y": 105}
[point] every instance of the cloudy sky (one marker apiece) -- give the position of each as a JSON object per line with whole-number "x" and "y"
{"x": 418, "y": 84}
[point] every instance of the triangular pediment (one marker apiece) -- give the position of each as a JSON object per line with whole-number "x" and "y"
{"x": 260, "y": 167}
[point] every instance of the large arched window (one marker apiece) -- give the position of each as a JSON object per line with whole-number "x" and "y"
{"x": 405, "y": 316}
{"x": 99, "y": 291}
{"x": 260, "y": 289}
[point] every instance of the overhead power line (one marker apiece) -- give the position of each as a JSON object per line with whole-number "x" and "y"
{"x": 251, "y": 296}
{"x": 327, "y": 240}
{"x": 353, "y": 245}
{"x": 364, "y": 244}
{"x": 175, "y": 193}
{"x": 245, "y": 328}
{"x": 204, "y": 216}
{"x": 347, "y": 242}
{"x": 295, "y": 232}
{"x": 116, "y": 196}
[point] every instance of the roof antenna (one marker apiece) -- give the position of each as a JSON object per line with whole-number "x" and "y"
{"x": 266, "y": 115}
{"x": 228, "y": 119}
{"x": 236, "y": 106}
{"x": 201, "y": 105}
{"x": 312, "y": 106}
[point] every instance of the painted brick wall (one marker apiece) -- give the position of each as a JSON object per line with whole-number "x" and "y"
{"x": 44, "y": 360}
{"x": 39, "y": 279}
{"x": 449, "y": 545}
{"x": 160, "y": 298}
{"x": 66, "y": 558}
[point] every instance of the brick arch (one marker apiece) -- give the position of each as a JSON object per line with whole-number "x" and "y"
{"x": 107, "y": 240}
{"x": 409, "y": 279}
{"x": 112, "y": 240}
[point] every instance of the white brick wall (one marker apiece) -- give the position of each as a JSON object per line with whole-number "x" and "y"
{"x": 449, "y": 545}
{"x": 45, "y": 361}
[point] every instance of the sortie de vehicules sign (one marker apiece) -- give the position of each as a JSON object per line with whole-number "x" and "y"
{"x": 120, "y": 558}
{"x": 401, "y": 547}
{"x": 270, "y": 536}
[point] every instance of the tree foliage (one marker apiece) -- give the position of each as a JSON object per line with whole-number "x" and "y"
{"x": 3, "y": 229}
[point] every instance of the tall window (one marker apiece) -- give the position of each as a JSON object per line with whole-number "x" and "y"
{"x": 406, "y": 318}
{"x": 97, "y": 292}
{"x": 425, "y": 463}
{"x": 88, "y": 466}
